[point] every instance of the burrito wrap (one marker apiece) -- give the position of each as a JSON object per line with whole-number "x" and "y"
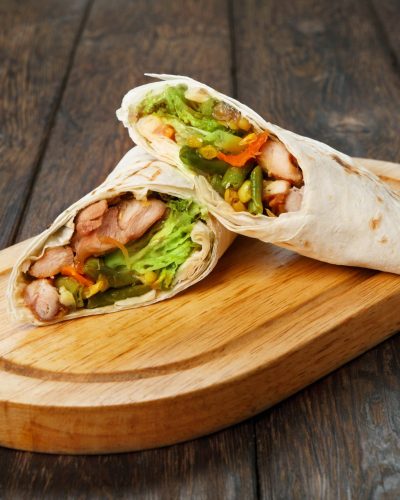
{"x": 137, "y": 173}
{"x": 348, "y": 215}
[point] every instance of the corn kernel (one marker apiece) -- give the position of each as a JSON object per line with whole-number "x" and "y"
{"x": 245, "y": 192}
{"x": 100, "y": 286}
{"x": 238, "y": 206}
{"x": 232, "y": 125}
{"x": 149, "y": 277}
{"x": 230, "y": 195}
{"x": 208, "y": 152}
{"x": 247, "y": 139}
{"x": 244, "y": 123}
{"x": 194, "y": 142}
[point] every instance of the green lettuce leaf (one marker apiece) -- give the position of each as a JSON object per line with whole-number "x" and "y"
{"x": 173, "y": 102}
{"x": 166, "y": 249}
{"x": 173, "y": 108}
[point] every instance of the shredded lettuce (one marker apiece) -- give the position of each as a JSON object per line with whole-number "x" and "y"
{"x": 173, "y": 108}
{"x": 173, "y": 102}
{"x": 167, "y": 248}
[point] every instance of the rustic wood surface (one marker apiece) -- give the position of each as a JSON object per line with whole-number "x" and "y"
{"x": 328, "y": 69}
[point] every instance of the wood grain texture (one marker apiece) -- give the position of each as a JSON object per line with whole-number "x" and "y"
{"x": 219, "y": 466}
{"x": 328, "y": 73}
{"x": 338, "y": 438}
{"x": 34, "y": 64}
{"x": 121, "y": 41}
{"x": 159, "y": 375}
{"x": 387, "y": 15}
{"x": 156, "y": 473}
{"x": 319, "y": 75}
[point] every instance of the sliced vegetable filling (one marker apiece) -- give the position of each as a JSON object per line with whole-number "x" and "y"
{"x": 120, "y": 248}
{"x": 251, "y": 169}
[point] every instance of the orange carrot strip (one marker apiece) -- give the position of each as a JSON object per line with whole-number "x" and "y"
{"x": 71, "y": 271}
{"x": 166, "y": 131}
{"x": 251, "y": 151}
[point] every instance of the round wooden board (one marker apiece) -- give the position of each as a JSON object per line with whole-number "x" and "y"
{"x": 264, "y": 324}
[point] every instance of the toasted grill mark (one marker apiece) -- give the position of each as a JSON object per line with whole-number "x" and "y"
{"x": 156, "y": 174}
{"x": 349, "y": 169}
{"x": 306, "y": 244}
{"x": 383, "y": 240}
{"x": 379, "y": 199}
{"x": 375, "y": 222}
{"x": 152, "y": 176}
{"x": 391, "y": 182}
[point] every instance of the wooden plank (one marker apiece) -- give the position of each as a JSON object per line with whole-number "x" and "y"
{"x": 305, "y": 67}
{"x": 338, "y": 438}
{"x": 34, "y": 67}
{"x": 220, "y": 466}
{"x": 327, "y": 73}
{"x": 388, "y": 14}
{"x": 122, "y": 41}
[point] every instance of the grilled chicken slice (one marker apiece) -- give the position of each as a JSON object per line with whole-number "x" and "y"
{"x": 43, "y": 300}
{"x": 90, "y": 218}
{"x": 152, "y": 127}
{"x": 275, "y": 159}
{"x": 294, "y": 200}
{"x": 273, "y": 188}
{"x": 123, "y": 223}
{"x": 51, "y": 262}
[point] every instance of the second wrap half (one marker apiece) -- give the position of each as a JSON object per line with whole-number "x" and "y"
{"x": 347, "y": 214}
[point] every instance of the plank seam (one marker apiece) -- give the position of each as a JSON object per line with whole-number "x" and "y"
{"x": 51, "y": 122}
{"x": 256, "y": 460}
{"x": 383, "y": 38}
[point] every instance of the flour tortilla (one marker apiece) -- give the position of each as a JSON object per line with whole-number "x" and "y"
{"x": 137, "y": 173}
{"x": 348, "y": 215}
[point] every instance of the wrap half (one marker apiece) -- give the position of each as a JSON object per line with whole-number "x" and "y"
{"x": 140, "y": 237}
{"x": 263, "y": 181}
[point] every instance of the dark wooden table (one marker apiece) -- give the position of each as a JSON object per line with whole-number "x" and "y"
{"x": 326, "y": 69}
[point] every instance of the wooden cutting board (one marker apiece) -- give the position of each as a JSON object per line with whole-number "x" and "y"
{"x": 265, "y": 324}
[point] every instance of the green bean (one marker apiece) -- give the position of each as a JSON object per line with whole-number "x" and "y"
{"x": 119, "y": 277}
{"x": 235, "y": 176}
{"x": 256, "y": 179}
{"x": 111, "y": 296}
{"x": 92, "y": 267}
{"x": 116, "y": 277}
{"x": 251, "y": 207}
{"x": 216, "y": 183}
{"x": 196, "y": 162}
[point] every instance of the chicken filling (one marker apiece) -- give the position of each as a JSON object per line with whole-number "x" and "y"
{"x": 120, "y": 248}
{"x": 251, "y": 169}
